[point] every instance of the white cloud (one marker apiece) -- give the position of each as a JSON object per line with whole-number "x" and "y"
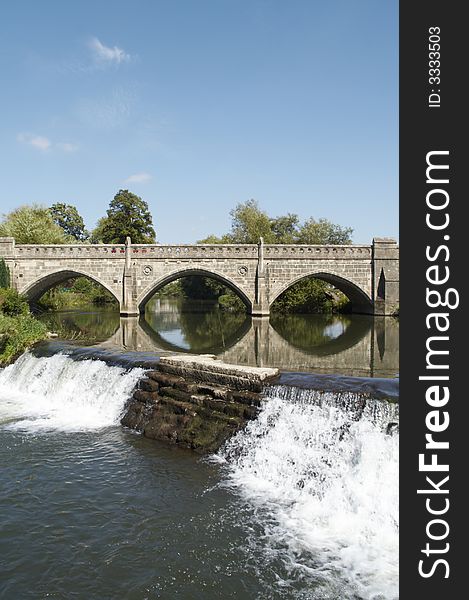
{"x": 138, "y": 178}
{"x": 37, "y": 141}
{"x": 43, "y": 144}
{"x": 106, "y": 55}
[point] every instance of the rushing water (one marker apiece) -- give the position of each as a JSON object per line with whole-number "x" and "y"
{"x": 355, "y": 345}
{"x": 301, "y": 505}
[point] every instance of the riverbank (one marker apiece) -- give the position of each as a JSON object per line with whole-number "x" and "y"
{"x": 17, "y": 334}
{"x": 19, "y": 330}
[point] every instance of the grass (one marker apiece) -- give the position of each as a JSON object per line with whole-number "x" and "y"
{"x": 17, "y": 334}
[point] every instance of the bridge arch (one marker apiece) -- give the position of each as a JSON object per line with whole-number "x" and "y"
{"x": 360, "y": 300}
{"x": 147, "y": 294}
{"x": 41, "y": 285}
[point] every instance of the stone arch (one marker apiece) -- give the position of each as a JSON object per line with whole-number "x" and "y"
{"x": 360, "y": 300}
{"x": 41, "y": 285}
{"x": 145, "y": 296}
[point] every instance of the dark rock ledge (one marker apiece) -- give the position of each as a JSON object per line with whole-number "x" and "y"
{"x": 196, "y": 401}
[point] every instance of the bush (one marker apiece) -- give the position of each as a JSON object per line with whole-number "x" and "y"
{"x": 17, "y": 334}
{"x": 13, "y": 304}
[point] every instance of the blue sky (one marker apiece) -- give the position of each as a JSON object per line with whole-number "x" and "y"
{"x": 196, "y": 105}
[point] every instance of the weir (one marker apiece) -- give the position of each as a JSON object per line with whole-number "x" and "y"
{"x": 305, "y": 463}
{"x": 198, "y": 402}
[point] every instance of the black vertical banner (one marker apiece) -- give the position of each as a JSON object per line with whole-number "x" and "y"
{"x": 434, "y": 249}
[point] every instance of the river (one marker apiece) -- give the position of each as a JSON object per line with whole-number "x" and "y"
{"x": 303, "y": 504}
{"x": 356, "y": 345}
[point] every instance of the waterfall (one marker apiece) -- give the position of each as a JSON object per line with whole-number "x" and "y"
{"x": 57, "y": 392}
{"x": 320, "y": 470}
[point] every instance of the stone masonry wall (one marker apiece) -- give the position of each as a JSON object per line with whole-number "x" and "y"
{"x": 258, "y": 273}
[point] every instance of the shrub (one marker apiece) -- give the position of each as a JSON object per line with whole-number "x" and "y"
{"x": 17, "y": 334}
{"x": 13, "y": 304}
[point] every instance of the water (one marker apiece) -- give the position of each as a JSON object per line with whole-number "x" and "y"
{"x": 354, "y": 345}
{"x": 300, "y": 505}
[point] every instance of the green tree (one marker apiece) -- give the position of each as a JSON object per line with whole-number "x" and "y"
{"x": 323, "y": 232}
{"x": 214, "y": 239}
{"x": 285, "y": 229}
{"x": 97, "y": 235}
{"x": 249, "y": 223}
{"x": 127, "y": 215}
{"x": 4, "y": 275}
{"x": 68, "y": 218}
{"x": 32, "y": 224}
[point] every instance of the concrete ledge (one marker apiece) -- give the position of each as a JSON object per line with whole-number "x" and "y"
{"x": 207, "y": 367}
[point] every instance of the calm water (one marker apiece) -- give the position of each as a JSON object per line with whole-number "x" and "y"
{"x": 343, "y": 344}
{"x": 301, "y": 505}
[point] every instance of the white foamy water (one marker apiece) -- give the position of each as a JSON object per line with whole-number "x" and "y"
{"x": 57, "y": 392}
{"x": 322, "y": 476}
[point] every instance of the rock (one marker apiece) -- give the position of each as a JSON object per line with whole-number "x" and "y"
{"x": 146, "y": 397}
{"x": 165, "y": 379}
{"x": 149, "y": 385}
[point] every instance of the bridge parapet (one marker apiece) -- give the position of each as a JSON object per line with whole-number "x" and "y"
{"x": 184, "y": 250}
{"x": 315, "y": 251}
{"x": 69, "y": 250}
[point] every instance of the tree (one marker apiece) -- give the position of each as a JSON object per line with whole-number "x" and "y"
{"x": 97, "y": 235}
{"x": 127, "y": 215}
{"x": 4, "y": 274}
{"x": 214, "y": 239}
{"x": 249, "y": 223}
{"x": 32, "y": 224}
{"x": 323, "y": 232}
{"x": 68, "y": 218}
{"x": 285, "y": 229}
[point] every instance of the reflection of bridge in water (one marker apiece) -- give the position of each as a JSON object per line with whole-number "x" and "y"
{"x": 366, "y": 347}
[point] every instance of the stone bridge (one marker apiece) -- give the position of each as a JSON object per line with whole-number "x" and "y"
{"x": 258, "y": 273}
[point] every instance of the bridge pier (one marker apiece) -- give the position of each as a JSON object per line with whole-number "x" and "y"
{"x": 260, "y": 308}
{"x": 385, "y": 274}
{"x": 128, "y": 306}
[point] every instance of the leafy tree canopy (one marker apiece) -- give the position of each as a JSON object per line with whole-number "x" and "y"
{"x": 249, "y": 223}
{"x": 285, "y": 229}
{"x": 68, "y": 218}
{"x": 214, "y": 239}
{"x": 32, "y": 224}
{"x": 127, "y": 215}
{"x": 323, "y": 232}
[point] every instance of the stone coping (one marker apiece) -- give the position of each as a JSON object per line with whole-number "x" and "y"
{"x": 208, "y": 363}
